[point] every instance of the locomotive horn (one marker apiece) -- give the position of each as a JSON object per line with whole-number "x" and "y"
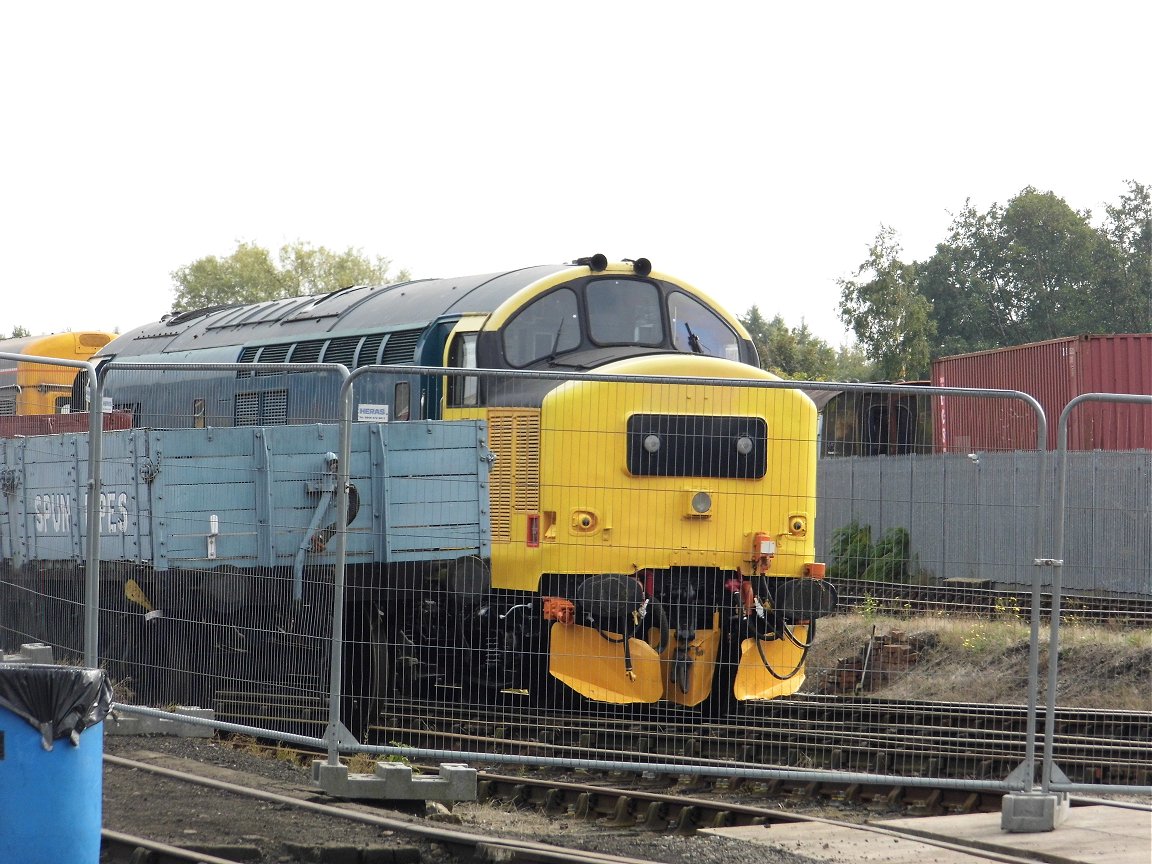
{"x": 641, "y": 266}
{"x": 595, "y": 263}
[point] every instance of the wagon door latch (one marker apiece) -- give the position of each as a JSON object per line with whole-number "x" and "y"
{"x": 315, "y": 538}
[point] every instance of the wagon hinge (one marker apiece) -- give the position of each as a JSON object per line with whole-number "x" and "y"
{"x": 9, "y": 481}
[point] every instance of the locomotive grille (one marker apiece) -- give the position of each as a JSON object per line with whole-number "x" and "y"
{"x": 514, "y": 480}
{"x": 261, "y": 408}
{"x": 308, "y": 352}
{"x": 685, "y": 445}
{"x": 342, "y": 350}
{"x": 401, "y": 346}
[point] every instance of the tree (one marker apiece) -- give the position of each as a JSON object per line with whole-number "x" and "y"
{"x": 18, "y": 332}
{"x": 791, "y": 353}
{"x": 249, "y": 275}
{"x": 1035, "y": 269}
{"x": 1127, "y": 287}
{"x": 890, "y": 317}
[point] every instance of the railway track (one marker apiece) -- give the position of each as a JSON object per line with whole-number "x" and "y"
{"x": 977, "y": 597}
{"x": 240, "y": 806}
{"x": 634, "y": 815}
{"x": 859, "y": 735}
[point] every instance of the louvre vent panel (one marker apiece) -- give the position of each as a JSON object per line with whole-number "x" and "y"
{"x": 527, "y": 462}
{"x": 273, "y": 354}
{"x": 401, "y": 346}
{"x": 500, "y": 476}
{"x": 514, "y": 480}
{"x": 308, "y": 352}
{"x": 342, "y": 350}
{"x": 248, "y": 355}
{"x": 370, "y": 350}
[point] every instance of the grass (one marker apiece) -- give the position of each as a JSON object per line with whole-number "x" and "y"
{"x": 986, "y": 660}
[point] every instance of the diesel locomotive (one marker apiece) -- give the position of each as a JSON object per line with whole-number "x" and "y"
{"x": 650, "y": 510}
{"x": 34, "y": 389}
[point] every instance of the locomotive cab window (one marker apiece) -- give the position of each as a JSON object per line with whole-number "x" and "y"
{"x": 402, "y": 401}
{"x": 463, "y": 389}
{"x": 696, "y": 329}
{"x": 624, "y": 312}
{"x": 546, "y": 326}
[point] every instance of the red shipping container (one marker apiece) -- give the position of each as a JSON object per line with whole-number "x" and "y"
{"x": 1052, "y": 372}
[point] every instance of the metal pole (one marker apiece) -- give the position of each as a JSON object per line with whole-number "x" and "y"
{"x": 95, "y": 484}
{"x": 92, "y": 550}
{"x": 1028, "y": 768}
{"x": 343, "y": 478}
{"x": 1057, "y": 561}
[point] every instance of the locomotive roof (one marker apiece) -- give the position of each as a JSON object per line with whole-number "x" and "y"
{"x": 349, "y": 310}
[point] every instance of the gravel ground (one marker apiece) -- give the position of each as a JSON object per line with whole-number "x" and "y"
{"x": 184, "y": 814}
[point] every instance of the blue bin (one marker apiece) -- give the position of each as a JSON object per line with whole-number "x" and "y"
{"x": 51, "y": 775}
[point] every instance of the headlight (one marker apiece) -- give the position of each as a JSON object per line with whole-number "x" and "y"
{"x": 701, "y": 503}
{"x": 651, "y": 443}
{"x": 743, "y": 445}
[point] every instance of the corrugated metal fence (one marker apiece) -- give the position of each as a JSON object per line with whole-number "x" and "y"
{"x": 972, "y": 516}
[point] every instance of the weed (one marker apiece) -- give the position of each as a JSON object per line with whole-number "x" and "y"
{"x": 870, "y": 608}
{"x": 1008, "y": 609}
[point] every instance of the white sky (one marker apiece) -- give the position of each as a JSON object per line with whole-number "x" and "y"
{"x": 753, "y": 149}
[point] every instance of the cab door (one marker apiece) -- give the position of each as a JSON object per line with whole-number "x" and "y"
{"x": 460, "y": 395}
{"x": 430, "y": 352}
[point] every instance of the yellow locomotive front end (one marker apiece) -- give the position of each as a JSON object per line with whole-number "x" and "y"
{"x": 667, "y": 519}
{"x": 656, "y": 502}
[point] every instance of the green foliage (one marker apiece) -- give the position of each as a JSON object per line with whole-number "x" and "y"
{"x": 1026, "y": 271}
{"x": 797, "y": 354}
{"x": 890, "y": 557}
{"x": 249, "y": 275}
{"x": 1127, "y": 285}
{"x": 851, "y": 551}
{"x": 888, "y": 314}
{"x": 855, "y": 556}
{"x": 19, "y": 332}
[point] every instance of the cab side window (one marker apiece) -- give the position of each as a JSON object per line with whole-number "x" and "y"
{"x": 463, "y": 390}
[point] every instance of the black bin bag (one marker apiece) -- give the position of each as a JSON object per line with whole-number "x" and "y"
{"x": 58, "y": 701}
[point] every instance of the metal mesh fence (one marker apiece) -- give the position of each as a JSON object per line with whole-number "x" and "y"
{"x": 596, "y": 570}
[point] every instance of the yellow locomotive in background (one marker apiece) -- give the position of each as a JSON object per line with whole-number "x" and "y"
{"x": 651, "y": 498}
{"x": 34, "y": 388}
